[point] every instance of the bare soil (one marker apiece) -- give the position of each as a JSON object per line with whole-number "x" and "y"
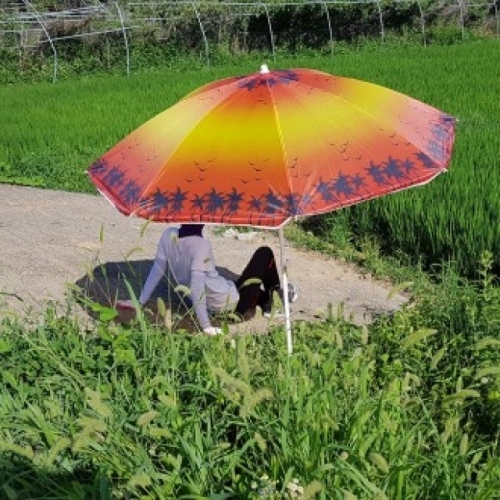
{"x": 54, "y": 243}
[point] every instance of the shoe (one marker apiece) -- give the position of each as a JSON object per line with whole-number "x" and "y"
{"x": 125, "y": 305}
{"x": 269, "y": 312}
{"x": 293, "y": 293}
{"x": 274, "y": 314}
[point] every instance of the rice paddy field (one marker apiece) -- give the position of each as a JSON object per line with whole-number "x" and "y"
{"x": 52, "y": 133}
{"x": 406, "y": 408}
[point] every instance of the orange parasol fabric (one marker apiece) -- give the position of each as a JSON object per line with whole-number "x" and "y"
{"x": 268, "y": 147}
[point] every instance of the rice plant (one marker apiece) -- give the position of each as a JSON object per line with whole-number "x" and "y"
{"x": 52, "y": 133}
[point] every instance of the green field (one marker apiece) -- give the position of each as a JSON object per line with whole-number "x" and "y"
{"x": 52, "y": 133}
{"x": 407, "y": 408}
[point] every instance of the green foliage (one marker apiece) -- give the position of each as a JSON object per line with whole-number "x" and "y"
{"x": 160, "y": 34}
{"x": 407, "y": 408}
{"x": 53, "y": 144}
{"x": 447, "y": 221}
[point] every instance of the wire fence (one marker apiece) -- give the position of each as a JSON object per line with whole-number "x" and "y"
{"x": 25, "y": 26}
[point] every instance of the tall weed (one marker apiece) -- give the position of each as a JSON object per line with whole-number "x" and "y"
{"x": 402, "y": 409}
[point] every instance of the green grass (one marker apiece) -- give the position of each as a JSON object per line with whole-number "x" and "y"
{"x": 454, "y": 218}
{"x": 52, "y": 133}
{"x": 407, "y": 408}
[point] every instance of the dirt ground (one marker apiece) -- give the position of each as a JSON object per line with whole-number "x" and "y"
{"x": 54, "y": 243}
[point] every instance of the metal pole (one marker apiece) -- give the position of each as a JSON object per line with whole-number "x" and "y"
{"x": 207, "y": 50}
{"x": 462, "y": 17}
{"x": 422, "y": 19}
{"x": 330, "y": 31}
{"x": 496, "y": 18}
{"x": 28, "y": 4}
{"x": 124, "y": 37}
{"x": 381, "y": 18}
{"x": 273, "y": 48}
{"x": 286, "y": 302}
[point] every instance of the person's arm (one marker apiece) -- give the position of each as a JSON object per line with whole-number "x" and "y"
{"x": 157, "y": 269}
{"x": 199, "y": 299}
{"x": 202, "y": 263}
{"x": 155, "y": 275}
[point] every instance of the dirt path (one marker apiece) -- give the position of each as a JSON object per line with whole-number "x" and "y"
{"x": 50, "y": 242}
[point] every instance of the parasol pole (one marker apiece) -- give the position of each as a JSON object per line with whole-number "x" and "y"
{"x": 286, "y": 303}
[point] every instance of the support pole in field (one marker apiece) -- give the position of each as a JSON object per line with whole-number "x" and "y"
{"x": 422, "y": 22}
{"x": 381, "y": 18}
{"x": 271, "y": 34}
{"x": 40, "y": 20}
{"x": 207, "y": 50}
{"x": 124, "y": 37}
{"x": 496, "y": 18}
{"x": 462, "y": 17}
{"x": 330, "y": 30}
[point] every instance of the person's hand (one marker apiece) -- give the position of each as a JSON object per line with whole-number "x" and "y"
{"x": 125, "y": 305}
{"x": 212, "y": 330}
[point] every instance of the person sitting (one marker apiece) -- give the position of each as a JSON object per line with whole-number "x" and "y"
{"x": 189, "y": 257}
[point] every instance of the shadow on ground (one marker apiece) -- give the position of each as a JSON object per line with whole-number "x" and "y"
{"x": 98, "y": 290}
{"x": 20, "y": 479}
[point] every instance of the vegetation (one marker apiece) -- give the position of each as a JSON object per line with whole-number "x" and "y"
{"x": 51, "y": 39}
{"x": 405, "y": 408}
{"x": 52, "y": 133}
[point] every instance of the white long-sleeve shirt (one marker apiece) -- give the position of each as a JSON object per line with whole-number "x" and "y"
{"x": 192, "y": 264}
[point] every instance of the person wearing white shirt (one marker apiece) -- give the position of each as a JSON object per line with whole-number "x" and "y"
{"x": 190, "y": 259}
